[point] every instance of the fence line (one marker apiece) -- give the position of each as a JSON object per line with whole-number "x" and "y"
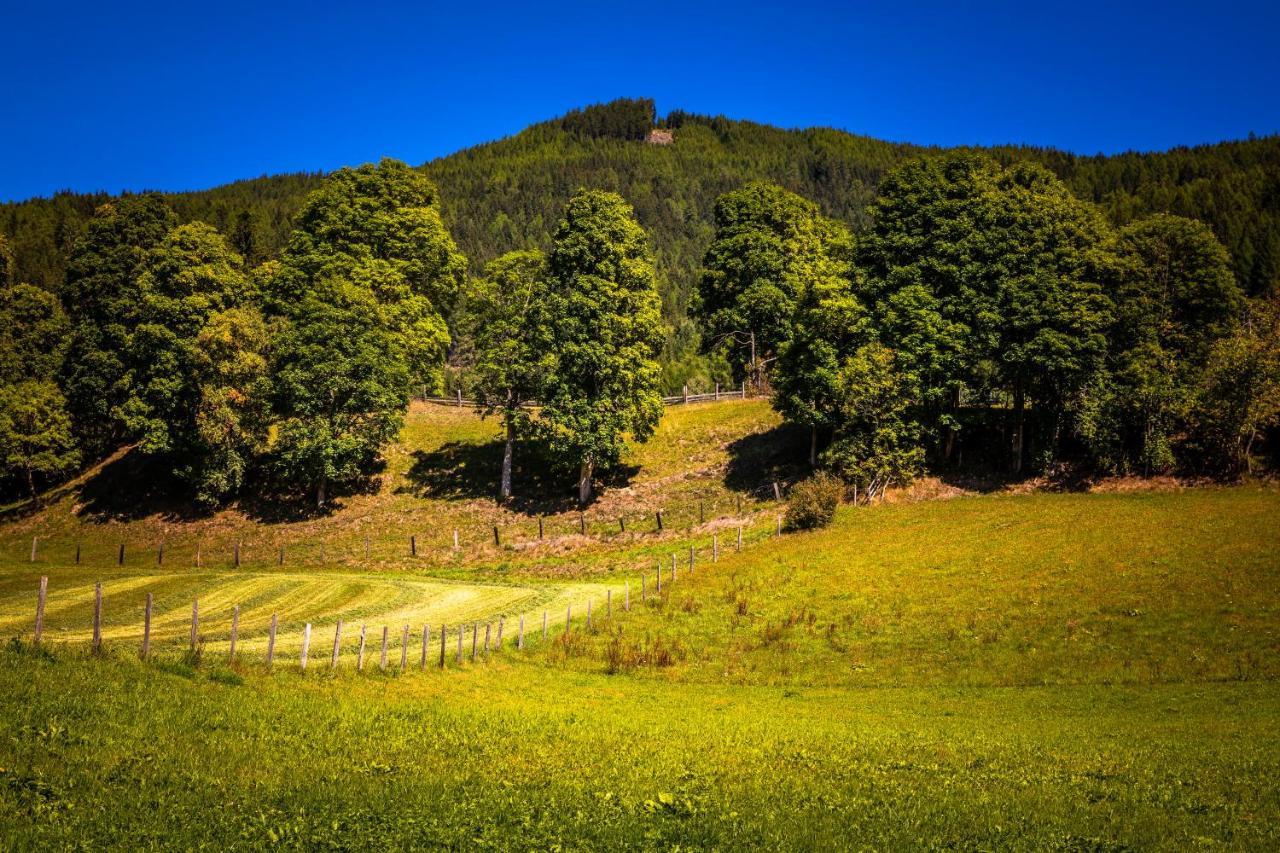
{"x": 197, "y": 638}
{"x": 717, "y": 396}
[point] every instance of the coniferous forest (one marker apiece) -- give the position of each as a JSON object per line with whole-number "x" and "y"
{"x": 1014, "y": 310}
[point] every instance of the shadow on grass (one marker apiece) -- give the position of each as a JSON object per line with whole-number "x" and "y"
{"x": 542, "y": 484}
{"x": 135, "y": 486}
{"x": 758, "y": 460}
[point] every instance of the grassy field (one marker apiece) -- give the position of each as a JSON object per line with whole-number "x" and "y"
{"x": 1042, "y": 671}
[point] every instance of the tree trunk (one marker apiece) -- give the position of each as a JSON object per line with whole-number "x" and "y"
{"x": 584, "y": 480}
{"x": 31, "y": 487}
{"x": 952, "y": 432}
{"x": 504, "y": 491}
{"x": 320, "y": 493}
{"x": 813, "y": 445}
{"x": 1019, "y": 412}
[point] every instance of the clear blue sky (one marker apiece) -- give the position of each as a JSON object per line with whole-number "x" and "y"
{"x": 183, "y": 96}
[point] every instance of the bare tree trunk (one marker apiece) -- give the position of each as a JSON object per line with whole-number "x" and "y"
{"x": 1019, "y": 413}
{"x": 504, "y": 491}
{"x": 584, "y": 480}
{"x": 320, "y": 493}
{"x": 31, "y": 487}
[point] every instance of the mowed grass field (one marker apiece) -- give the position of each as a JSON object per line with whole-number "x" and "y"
{"x": 1043, "y": 671}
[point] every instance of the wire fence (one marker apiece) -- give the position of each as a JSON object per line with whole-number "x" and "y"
{"x": 719, "y": 395}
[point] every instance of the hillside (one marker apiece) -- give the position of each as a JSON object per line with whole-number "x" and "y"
{"x": 507, "y": 194}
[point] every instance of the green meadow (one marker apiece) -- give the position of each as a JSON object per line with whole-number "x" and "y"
{"x": 1078, "y": 671}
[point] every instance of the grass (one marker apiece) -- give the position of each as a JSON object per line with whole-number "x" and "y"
{"x": 1035, "y": 671}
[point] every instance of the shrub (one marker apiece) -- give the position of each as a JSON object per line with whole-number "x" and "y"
{"x": 813, "y": 502}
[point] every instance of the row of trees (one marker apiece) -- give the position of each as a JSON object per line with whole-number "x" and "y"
{"x": 990, "y": 301}
{"x": 301, "y": 368}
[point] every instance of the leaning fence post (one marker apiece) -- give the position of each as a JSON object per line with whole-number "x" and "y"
{"x": 97, "y": 617}
{"x": 360, "y": 650}
{"x": 382, "y": 660}
{"x": 337, "y": 645}
{"x": 306, "y": 645}
{"x": 271, "y": 641}
{"x": 426, "y": 638}
{"x": 44, "y": 591}
{"x": 520, "y": 636}
{"x": 195, "y": 621}
{"x": 235, "y": 629}
{"x": 146, "y": 629}
{"x": 404, "y": 648}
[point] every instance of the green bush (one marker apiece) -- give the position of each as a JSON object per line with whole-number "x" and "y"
{"x": 813, "y": 502}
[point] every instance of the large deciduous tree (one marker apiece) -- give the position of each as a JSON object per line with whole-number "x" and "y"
{"x": 509, "y": 326}
{"x": 35, "y": 432}
{"x": 360, "y": 292}
{"x": 603, "y": 307}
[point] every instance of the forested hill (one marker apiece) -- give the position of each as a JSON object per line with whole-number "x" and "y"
{"x": 507, "y": 194}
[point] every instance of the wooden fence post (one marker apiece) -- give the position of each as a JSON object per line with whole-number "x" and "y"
{"x": 426, "y": 638}
{"x": 739, "y": 537}
{"x": 235, "y": 629}
{"x": 715, "y": 547}
{"x": 777, "y": 492}
{"x": 496, "y": 540}
{"x": 626, "y": 597}
{"x": 702, "y": 513}
{"x": 97, "y": 617}
{"x": 568, "y": 617}
{"x": 337, "y": 645}
{"x": 539, "y": 527}
{"x": 197, "y": 556}
{"x": 717, "y": 392}
{"x": 160, "y": 555}
{"x": 686, "y": 392}
{"x": 475, "y": 636}
{"x": 544, "y": 625}
{"x": 455, "y": 538}
{"x": 608, "y": 604}
{"x": 643, "y": 591}
{"x": 120, "y": 559}
{"x": 588, "y": 614}
{"x": 443, "y": 630}
{"x": 40, "y": 597}
{"x": 461, "y": 629}
{"x": 520, "y": 636}
{"x": 497, "y": 643}
{"x": 360, "y": 650}
{"x": 622, "y": 524}
{"x": 271, "y": 641}
{"x": 281, "y": 558}
{"x": 382, "y": 659}
{"x": 306, "y": 645}
{"x": 673, "y": 568}
{"x": 404, "y": 648}
{"x": 413, "y": 546}
{"x": 744, "y": 389}
{"x": 488, "y": 629}
{"x": 778, "y": 529}
{"x": 658, "y": 515}
{"x": 459, "y": 398}
{"x": 33, "y": 548}
{"x": 195, "y": 621}
{"x": 582, "y": 523}
{"x": 77, "y": 553}
{"x": 146, "y": 629}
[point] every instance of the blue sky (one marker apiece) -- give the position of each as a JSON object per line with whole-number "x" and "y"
{"x": 183, "y": 96}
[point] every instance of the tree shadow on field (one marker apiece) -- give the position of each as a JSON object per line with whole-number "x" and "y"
{"x": 758, "y": 460}
{"x": 135, "y": 486}
{"x": 267, "y": 502}
{"x": 542, "y": 484}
